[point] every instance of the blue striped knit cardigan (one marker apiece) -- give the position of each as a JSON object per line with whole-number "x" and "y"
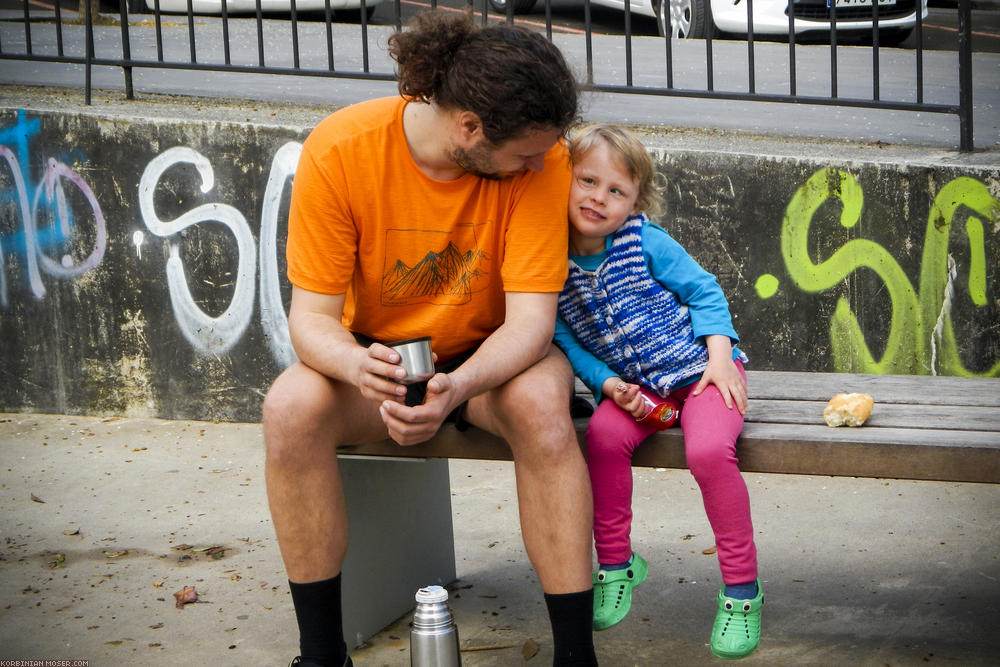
{"x": 627, "y": 319}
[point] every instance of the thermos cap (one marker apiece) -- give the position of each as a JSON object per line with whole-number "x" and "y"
{"x": 431, "y": 594}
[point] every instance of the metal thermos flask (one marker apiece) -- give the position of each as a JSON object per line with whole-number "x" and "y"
{"x": 434, "y": 637}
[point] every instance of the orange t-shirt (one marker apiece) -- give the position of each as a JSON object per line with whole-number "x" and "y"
{"x": 416, "y": 256}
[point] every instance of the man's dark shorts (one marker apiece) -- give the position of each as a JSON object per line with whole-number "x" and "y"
{"x": 415, "y": 392}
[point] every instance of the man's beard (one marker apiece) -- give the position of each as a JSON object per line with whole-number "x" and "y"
{"x": 478, "y": 161}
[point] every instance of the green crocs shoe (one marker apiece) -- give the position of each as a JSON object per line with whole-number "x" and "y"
{"x": 736, "y": 632}
{"x": 613, "y": 592}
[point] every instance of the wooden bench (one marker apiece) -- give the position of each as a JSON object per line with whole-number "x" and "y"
{"x": 922, "y": 428}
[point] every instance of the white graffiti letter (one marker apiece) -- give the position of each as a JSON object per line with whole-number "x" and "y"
{"x": 209, "y": 335}
{"x": 272, "y": 310}
{"x": 52, "y": 186}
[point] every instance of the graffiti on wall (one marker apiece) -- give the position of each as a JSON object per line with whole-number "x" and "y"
{"x": 48, "y": 224}
{"x": 49, "y": 221}
{"x": 216, "y": 335}
{"x": 921, "y": 336}
{"x": 55, "y": 229}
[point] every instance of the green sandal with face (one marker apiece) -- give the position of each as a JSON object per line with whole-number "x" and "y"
{"x": 736, "y": 632}
{"x": 613, "y": 592}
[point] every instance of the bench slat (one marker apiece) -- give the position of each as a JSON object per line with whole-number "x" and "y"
{"x": 933, "y": 417}
{"x": 864, "y": 435}
{"x": 968, "y": 456}
{"x": 956, "y": 456}
{"x": 914, "y": 389}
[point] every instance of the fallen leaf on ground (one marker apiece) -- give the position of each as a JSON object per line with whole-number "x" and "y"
{"x": 157, "y": 584}
{"x": 185, "y": 596}
{"x": 115, "y": 554}
{"x": 529, "y": 650}
{"x": 37, "y": 499}
{"x": 709, "y": 551}
{"x": 72, "y": 532}
{"x": 58, "y": 560}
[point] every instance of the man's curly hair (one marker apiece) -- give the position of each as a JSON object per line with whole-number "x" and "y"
{"x": 513, "y": 79}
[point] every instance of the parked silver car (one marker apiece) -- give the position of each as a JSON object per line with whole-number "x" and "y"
{"x": 697, "y": 18}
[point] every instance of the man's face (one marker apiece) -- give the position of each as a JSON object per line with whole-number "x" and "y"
{"x": 525, "y": 151}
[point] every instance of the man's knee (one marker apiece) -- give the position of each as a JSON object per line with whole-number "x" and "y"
{"x": 293, "y": 410}
{"x": 538, "y": 421}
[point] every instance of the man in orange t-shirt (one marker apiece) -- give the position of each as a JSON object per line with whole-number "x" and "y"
{"x": 440, "y": 213}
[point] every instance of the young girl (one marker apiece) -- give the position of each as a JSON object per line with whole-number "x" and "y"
{"x": 642, "y": 322}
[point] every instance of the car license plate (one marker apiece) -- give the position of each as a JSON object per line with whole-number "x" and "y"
{"x": 860, "y": 3}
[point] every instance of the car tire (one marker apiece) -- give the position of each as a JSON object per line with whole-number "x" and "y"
{"x": 689, "y": 19}
{"x": 520, "y": 6}
{"x": 354, "y": 15}
{"x": 893, "y": 37}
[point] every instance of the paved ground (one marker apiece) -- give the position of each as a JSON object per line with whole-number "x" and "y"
{"x": 105, "y": 519}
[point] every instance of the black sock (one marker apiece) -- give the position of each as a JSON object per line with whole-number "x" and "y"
{"x": 321, "y": 625}
{"x": 572, "y": 618}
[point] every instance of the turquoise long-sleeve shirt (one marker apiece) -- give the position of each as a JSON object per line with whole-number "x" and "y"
{"x": 672, "y": 267}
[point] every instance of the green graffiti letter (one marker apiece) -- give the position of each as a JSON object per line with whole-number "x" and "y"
{"x": 935, "y": 284}
{"x": 903, "y": 353}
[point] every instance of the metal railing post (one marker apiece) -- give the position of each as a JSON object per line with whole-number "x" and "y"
{"x": 126, "y": 50}
{"x": 89, "y": 55}
{"x": 965, "y": 74}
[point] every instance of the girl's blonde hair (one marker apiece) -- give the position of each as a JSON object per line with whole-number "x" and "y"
{"x": 634, "y": 156}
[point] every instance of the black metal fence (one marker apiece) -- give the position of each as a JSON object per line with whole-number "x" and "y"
{"x": 276, "y": 45}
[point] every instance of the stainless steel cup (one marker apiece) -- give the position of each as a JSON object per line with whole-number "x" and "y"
{"x": 415, "y": 356}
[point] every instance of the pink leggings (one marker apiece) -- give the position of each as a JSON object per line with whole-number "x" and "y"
{"x": 710, "y": 432}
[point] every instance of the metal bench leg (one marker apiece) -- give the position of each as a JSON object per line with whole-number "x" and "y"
{"x": 400, "y": 534}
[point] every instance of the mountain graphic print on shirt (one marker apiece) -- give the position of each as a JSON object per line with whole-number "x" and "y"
{"x": 430, "y": 267}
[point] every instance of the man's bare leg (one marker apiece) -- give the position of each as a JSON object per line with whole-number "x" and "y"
{"x": 306, "y": 416}
{"x": 531, "y": 412}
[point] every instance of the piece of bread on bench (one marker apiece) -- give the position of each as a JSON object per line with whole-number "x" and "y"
{"x": 848, "y": 409}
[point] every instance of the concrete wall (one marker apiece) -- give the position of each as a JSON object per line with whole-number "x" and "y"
{"x": 142, "y": 259}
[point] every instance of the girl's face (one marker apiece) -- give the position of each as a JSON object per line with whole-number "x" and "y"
{"x": 602, "y": 196}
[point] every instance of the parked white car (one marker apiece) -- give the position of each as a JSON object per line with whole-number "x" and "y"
{"x": 696, "y": 18}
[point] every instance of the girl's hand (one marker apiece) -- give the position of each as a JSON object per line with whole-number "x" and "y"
{"x": 626, "y": 396}
{"x": 724, "y": 374}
